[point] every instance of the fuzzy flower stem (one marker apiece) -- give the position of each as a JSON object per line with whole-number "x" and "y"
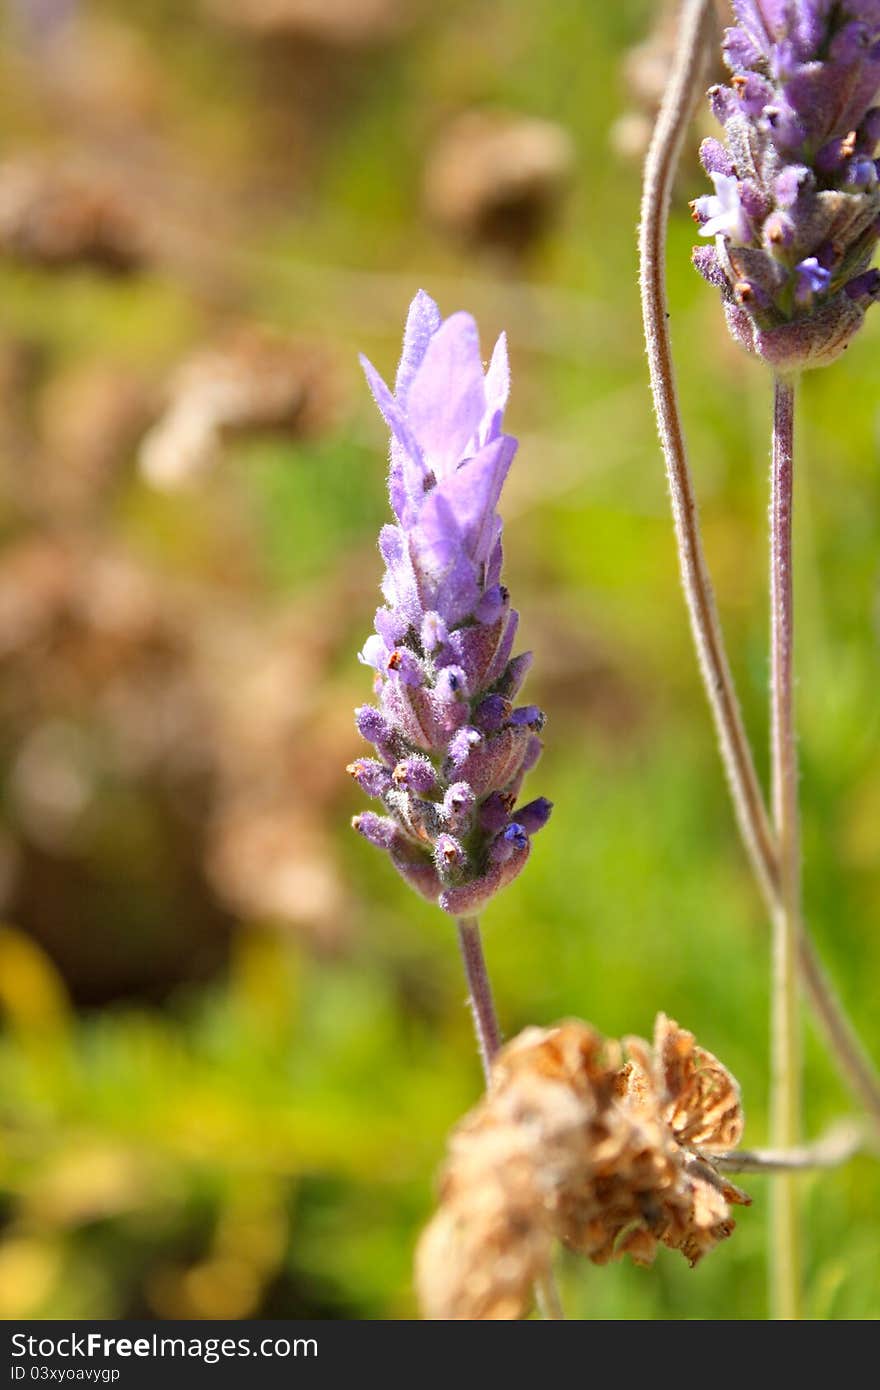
{"x": 841, "y": 1143}
{"x": 480, "y": 992}
{"x": 785, "y": 1091}
{"x": 489, "y": 1043}
{"x": 748, "y": 800}
{"x": 662, "y": 161}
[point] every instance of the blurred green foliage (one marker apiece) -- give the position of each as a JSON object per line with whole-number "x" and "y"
{"x": 267, "y": 1141}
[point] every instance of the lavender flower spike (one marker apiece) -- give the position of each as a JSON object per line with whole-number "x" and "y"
{"x": 795, "y": 215}
{"x": 453, "y": 749}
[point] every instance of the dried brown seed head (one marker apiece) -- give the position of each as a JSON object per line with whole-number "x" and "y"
{"x": 703, "y": 1105}
{"x": 571, "y": 1143}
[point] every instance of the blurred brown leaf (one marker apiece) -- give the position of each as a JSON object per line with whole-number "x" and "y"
{"x": 496, "y": 179}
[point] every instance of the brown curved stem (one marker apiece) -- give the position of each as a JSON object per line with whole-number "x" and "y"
{"x": 660, "y": 168}
{"x": 748, "y": 800}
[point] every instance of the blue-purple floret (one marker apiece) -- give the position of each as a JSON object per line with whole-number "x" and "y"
{"x": 452, "y": 746}
{"x": 795, "y": 215}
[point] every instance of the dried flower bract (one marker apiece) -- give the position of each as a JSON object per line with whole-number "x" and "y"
{"x": 573, "y": 1142}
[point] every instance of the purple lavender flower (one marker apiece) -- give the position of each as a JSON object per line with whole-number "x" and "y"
{"x": 452, "y": 748}
{"x": 796, "y": 211}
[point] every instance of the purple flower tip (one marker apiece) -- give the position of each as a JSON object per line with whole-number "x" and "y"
{"x": 461, "y": 744}
{"x": 458, "y": 806}
{"x": 493, "y": 713}
{"x": 452, "y": 751}
{"x": 379, "y": 830}
{"x": 451, "y": 684}
{"x": 415, "y": 773}
{"x": 449, "y": 856}
{"x": 528, "y": 716}
{"x": 371, "y": 776}
{"x": 406, "y": 665}
{"x": 434, "y": 633}
{"x": 535, "y": 815}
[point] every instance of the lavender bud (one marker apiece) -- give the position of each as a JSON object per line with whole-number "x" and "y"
{"x": 451, "y": 685}
{"x": 371, "y": 776}
{"x": 705, "y": 260}
{"x": 866, "y": 286}
{"x": 492, "y": 605}
{"x": 475, "y": 650}
{"x": 416, "y": 868}
{"x": 417, "y": 818}
{"x": 534, "y": 749}
{"x": 501, "y": 659}
{"x": 375, "y": 728}
{"x": 492, "y": 713}
{"x": 861, "y": 173}
{"x": 379, "y": 830}
{"x": 416, "y": 774}
{"x": 449, "y": 854}
{"x": 530, "y": 716}
{"x": 390, "y": 626}
{"x": 434, "y": 633}
{"x": 779, "y": 230}
{"x": 495, "y": 810}
{"x": 458, "y": 806}
{"x": 833, "y": 156}
{"x": 535, "y": 815}
{"x": 494, "y": 763}
{"x": 472, "y": 895}
{"x": 714, "y": 157}
{"x": 517, "y": 670}
{"x": 407, "y": 666}
{"x": 788, "y": 184}
{"x": 461, "y": 745}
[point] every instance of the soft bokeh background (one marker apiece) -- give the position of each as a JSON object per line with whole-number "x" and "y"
{"x": 232, "y": 1042}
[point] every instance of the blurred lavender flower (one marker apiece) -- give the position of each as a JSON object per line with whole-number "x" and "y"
{"x": 796, "y": 209}
{"x": 452, "y": 748}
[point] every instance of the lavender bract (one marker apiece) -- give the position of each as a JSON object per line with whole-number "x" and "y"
{"x": 452, "y": 747}
{"x": 796, "y": 209}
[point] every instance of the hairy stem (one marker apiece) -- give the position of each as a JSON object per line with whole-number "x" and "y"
{"x": 840, "y": 1144}
{"x": 785, "y": 1082}
{"x": 489, "y": 1041}
{"x": 479, "y": 991}
{"x": 660, "y": 169}
{"x": 748, "y": 799}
